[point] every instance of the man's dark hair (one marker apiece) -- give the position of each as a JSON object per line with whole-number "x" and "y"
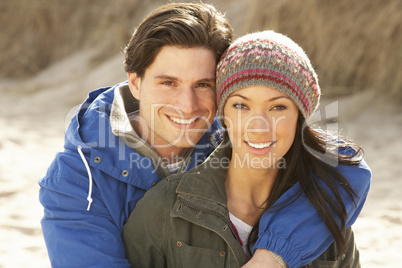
{"x": 185, "y": 25}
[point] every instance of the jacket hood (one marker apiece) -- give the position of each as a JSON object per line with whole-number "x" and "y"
{"x": 92, "y": 115}
{"x": 90, "y": 130}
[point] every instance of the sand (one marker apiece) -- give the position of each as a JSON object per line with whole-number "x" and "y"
{"x": 34, "y": 113}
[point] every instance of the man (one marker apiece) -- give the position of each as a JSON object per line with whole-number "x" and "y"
{"x": 125, "y": 139}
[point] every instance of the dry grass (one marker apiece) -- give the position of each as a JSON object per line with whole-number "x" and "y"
{"x": 41, "y": 32}
{"x": 354, "y": 45}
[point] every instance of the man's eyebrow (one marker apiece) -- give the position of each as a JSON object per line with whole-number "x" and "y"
{"x": 207, "y": 80}
{"x": 166, "y": 77}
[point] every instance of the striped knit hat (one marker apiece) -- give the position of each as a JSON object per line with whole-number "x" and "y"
{"x": 268, "y": 59}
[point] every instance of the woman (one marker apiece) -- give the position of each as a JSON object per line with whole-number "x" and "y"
{"x": 209, "y": 216}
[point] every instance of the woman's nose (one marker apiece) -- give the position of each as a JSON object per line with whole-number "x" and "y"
{"x": 258, "y": 124}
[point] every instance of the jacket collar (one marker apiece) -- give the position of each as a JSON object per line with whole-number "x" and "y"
{"x": 124, "y": 104}
{"x": 206, "y": 181}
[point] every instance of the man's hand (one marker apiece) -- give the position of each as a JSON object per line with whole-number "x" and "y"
{"x": 263, "y": 258}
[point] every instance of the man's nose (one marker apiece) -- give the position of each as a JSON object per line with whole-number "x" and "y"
{"x": 187, "y": 101}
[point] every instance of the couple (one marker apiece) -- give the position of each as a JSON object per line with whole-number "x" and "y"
{"x": 259, "y": 191}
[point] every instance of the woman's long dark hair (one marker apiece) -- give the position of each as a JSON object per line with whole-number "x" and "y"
{"x": 312, "y": 156}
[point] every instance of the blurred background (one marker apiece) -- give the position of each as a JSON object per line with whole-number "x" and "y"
{"x": 54, "y": 52}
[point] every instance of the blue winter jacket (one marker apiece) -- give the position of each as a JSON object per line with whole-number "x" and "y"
{"x": 91, "y": 188}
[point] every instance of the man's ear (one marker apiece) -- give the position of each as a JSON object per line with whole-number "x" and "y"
{"x": 134, "y": 83}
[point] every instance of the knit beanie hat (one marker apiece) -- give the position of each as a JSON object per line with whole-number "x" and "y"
{"x": 268, "y": 59}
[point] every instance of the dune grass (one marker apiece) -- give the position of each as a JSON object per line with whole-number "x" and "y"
{"x": 354, "y": 45}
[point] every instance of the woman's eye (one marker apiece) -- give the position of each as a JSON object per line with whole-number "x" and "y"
{"x": 239, "y": 105}
{"x": 279, "y": 107}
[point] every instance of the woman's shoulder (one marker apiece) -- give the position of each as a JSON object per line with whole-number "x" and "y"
{"x": 360, "y": 169}
{"x": 344, "y": 155}
{"x": 347, "y": 158}
{"x": 358, "y": 175}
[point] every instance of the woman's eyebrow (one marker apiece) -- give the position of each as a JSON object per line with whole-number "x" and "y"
{"x": 279, "y": 97}
{"x": 238, "y": 95}
{"x": 271, "y": 99}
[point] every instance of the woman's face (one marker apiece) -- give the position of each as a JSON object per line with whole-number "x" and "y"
{"x": 261, "y": 123}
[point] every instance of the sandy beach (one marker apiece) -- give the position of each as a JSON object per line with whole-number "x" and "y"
{"x": 34, "y": 115}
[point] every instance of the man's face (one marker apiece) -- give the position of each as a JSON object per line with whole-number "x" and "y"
{"x": 177, "y": 98}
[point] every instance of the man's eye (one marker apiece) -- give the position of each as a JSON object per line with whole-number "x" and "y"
{"x": 204, "y": 85}
{"x": 239, "y": 105}
{"x": 168, "y": 83}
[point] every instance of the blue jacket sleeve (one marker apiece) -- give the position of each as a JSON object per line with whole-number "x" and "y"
{"x": 297, "y": 233}
{"x": 74, "y": 236}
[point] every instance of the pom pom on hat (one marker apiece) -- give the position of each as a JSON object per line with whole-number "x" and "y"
{"x": 268, "y": 59}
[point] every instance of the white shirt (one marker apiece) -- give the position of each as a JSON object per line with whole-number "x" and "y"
{"x": 243, "y": 230}
{"x": 174, "y": 167}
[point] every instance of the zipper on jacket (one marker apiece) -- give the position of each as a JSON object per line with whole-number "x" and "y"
{"x": 209, "y": 211}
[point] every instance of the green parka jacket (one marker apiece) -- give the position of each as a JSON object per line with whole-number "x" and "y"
{"x": 185, "y": 223}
